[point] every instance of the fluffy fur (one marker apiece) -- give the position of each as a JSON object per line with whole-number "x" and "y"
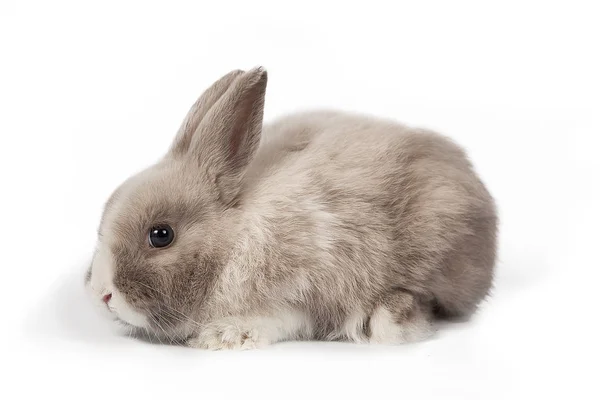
{"x": 321, "y": 225}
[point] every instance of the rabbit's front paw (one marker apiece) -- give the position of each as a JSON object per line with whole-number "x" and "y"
{"x": 234, "y": 335}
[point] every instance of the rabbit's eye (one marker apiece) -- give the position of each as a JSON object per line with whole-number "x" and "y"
{"x": 160, "y": 236}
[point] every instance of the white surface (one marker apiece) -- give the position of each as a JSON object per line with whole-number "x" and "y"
{"x": 91, "y": 94}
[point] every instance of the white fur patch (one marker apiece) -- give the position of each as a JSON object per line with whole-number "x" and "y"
{"x": 384, "y": 330}
{"x": 101, "y": 284}
{"x": 252, "y": 332}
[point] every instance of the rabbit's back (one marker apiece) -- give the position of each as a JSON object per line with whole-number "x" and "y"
{"x": 359, "y": 206}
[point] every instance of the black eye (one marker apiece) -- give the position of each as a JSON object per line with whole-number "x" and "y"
{"x": 161, "y": 236}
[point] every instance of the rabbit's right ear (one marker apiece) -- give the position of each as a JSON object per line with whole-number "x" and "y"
{"x": 193, "y": 118}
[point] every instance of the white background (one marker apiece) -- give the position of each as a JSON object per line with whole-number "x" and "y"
{"x": 91, "y": 93}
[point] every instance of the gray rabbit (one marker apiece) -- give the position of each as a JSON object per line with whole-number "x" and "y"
{"x": 321, "y": 225}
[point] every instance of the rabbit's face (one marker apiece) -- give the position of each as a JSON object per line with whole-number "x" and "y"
{"x": 159, "y": 247}
{"x": 165, "y": 232}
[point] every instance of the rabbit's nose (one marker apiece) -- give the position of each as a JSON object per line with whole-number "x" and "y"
{"x": 106, "y": 298}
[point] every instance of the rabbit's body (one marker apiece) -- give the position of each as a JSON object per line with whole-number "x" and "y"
{"x": 340, "y": 212}
{"x": 338, "y": 227}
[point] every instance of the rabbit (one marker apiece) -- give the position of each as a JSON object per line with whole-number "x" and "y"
{"x": 322, "y": 225}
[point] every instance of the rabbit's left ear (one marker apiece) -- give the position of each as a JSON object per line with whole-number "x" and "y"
{"x": 229, "y": 134}
{"x": 199, "y": 110}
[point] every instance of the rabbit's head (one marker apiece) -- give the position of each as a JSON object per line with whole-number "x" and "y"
{"x": 166, "y": 232}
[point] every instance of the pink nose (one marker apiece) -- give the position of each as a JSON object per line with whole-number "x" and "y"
{"x": 106, "y": 298}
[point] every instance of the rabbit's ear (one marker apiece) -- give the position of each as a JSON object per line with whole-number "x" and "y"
{"x": 229, "y": 134}
{"x": 199, "y": 110}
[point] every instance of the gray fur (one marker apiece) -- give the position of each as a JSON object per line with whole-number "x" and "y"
{"x": 325, "y": 213}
